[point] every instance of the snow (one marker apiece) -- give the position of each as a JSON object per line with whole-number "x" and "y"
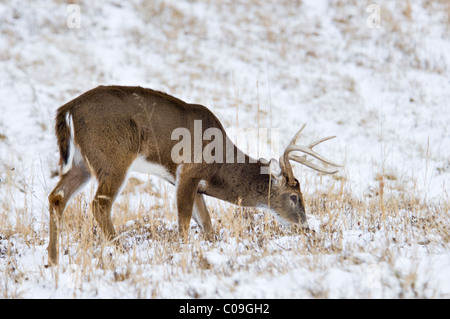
{"x": 384, "y": 92}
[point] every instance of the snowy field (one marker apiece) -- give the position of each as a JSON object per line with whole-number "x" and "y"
{"x": 374, "y": 73}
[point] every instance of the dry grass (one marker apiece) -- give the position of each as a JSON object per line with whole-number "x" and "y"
{"x": 244, "y": 237}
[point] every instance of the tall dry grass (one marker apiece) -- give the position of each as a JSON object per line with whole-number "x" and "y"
{"x": 244, "y": 236}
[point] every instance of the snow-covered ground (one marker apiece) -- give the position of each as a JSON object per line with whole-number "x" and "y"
{"x": 381, "y": 85}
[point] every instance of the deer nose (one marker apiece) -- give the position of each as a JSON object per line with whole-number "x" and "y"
{"x": 301, "y": 227}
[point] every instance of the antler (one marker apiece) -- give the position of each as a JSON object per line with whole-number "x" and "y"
{"x": 293, "y": 147}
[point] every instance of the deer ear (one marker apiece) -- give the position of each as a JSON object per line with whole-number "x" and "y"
{"x": 274, "y": 168}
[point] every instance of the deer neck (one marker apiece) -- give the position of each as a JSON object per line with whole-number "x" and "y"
{"x": 240, "y": 183}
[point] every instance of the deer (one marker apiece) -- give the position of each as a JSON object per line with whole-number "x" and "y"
{"x": 110, "y": 131}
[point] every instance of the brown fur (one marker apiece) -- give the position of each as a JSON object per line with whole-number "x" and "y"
{"x": 113, "y": 125}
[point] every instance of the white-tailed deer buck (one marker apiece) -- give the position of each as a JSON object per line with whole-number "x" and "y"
{"x": 111, "y": 130}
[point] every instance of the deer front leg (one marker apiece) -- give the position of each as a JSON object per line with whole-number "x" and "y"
{"x": 186, "y": 192}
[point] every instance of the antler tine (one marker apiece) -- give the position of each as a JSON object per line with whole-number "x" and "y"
{"x": 320, "y": 141}
{"x": 302, "y": 160}
{"x": 297, "y": 135}
{"x": 309, "y": 151}
{"x": 284, "y": 159}
{"x": 318, "y": 156}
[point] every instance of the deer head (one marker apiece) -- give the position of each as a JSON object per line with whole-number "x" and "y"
{"x": 286, "y": 198}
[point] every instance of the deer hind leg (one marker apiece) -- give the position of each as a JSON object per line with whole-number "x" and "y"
{"x": 107, "y": 192}
{"x": 201, "y": 215}
{"x": 66, "y": 188}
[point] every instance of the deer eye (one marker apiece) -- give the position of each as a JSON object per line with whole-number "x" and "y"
{"x": 294, "y": 199}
